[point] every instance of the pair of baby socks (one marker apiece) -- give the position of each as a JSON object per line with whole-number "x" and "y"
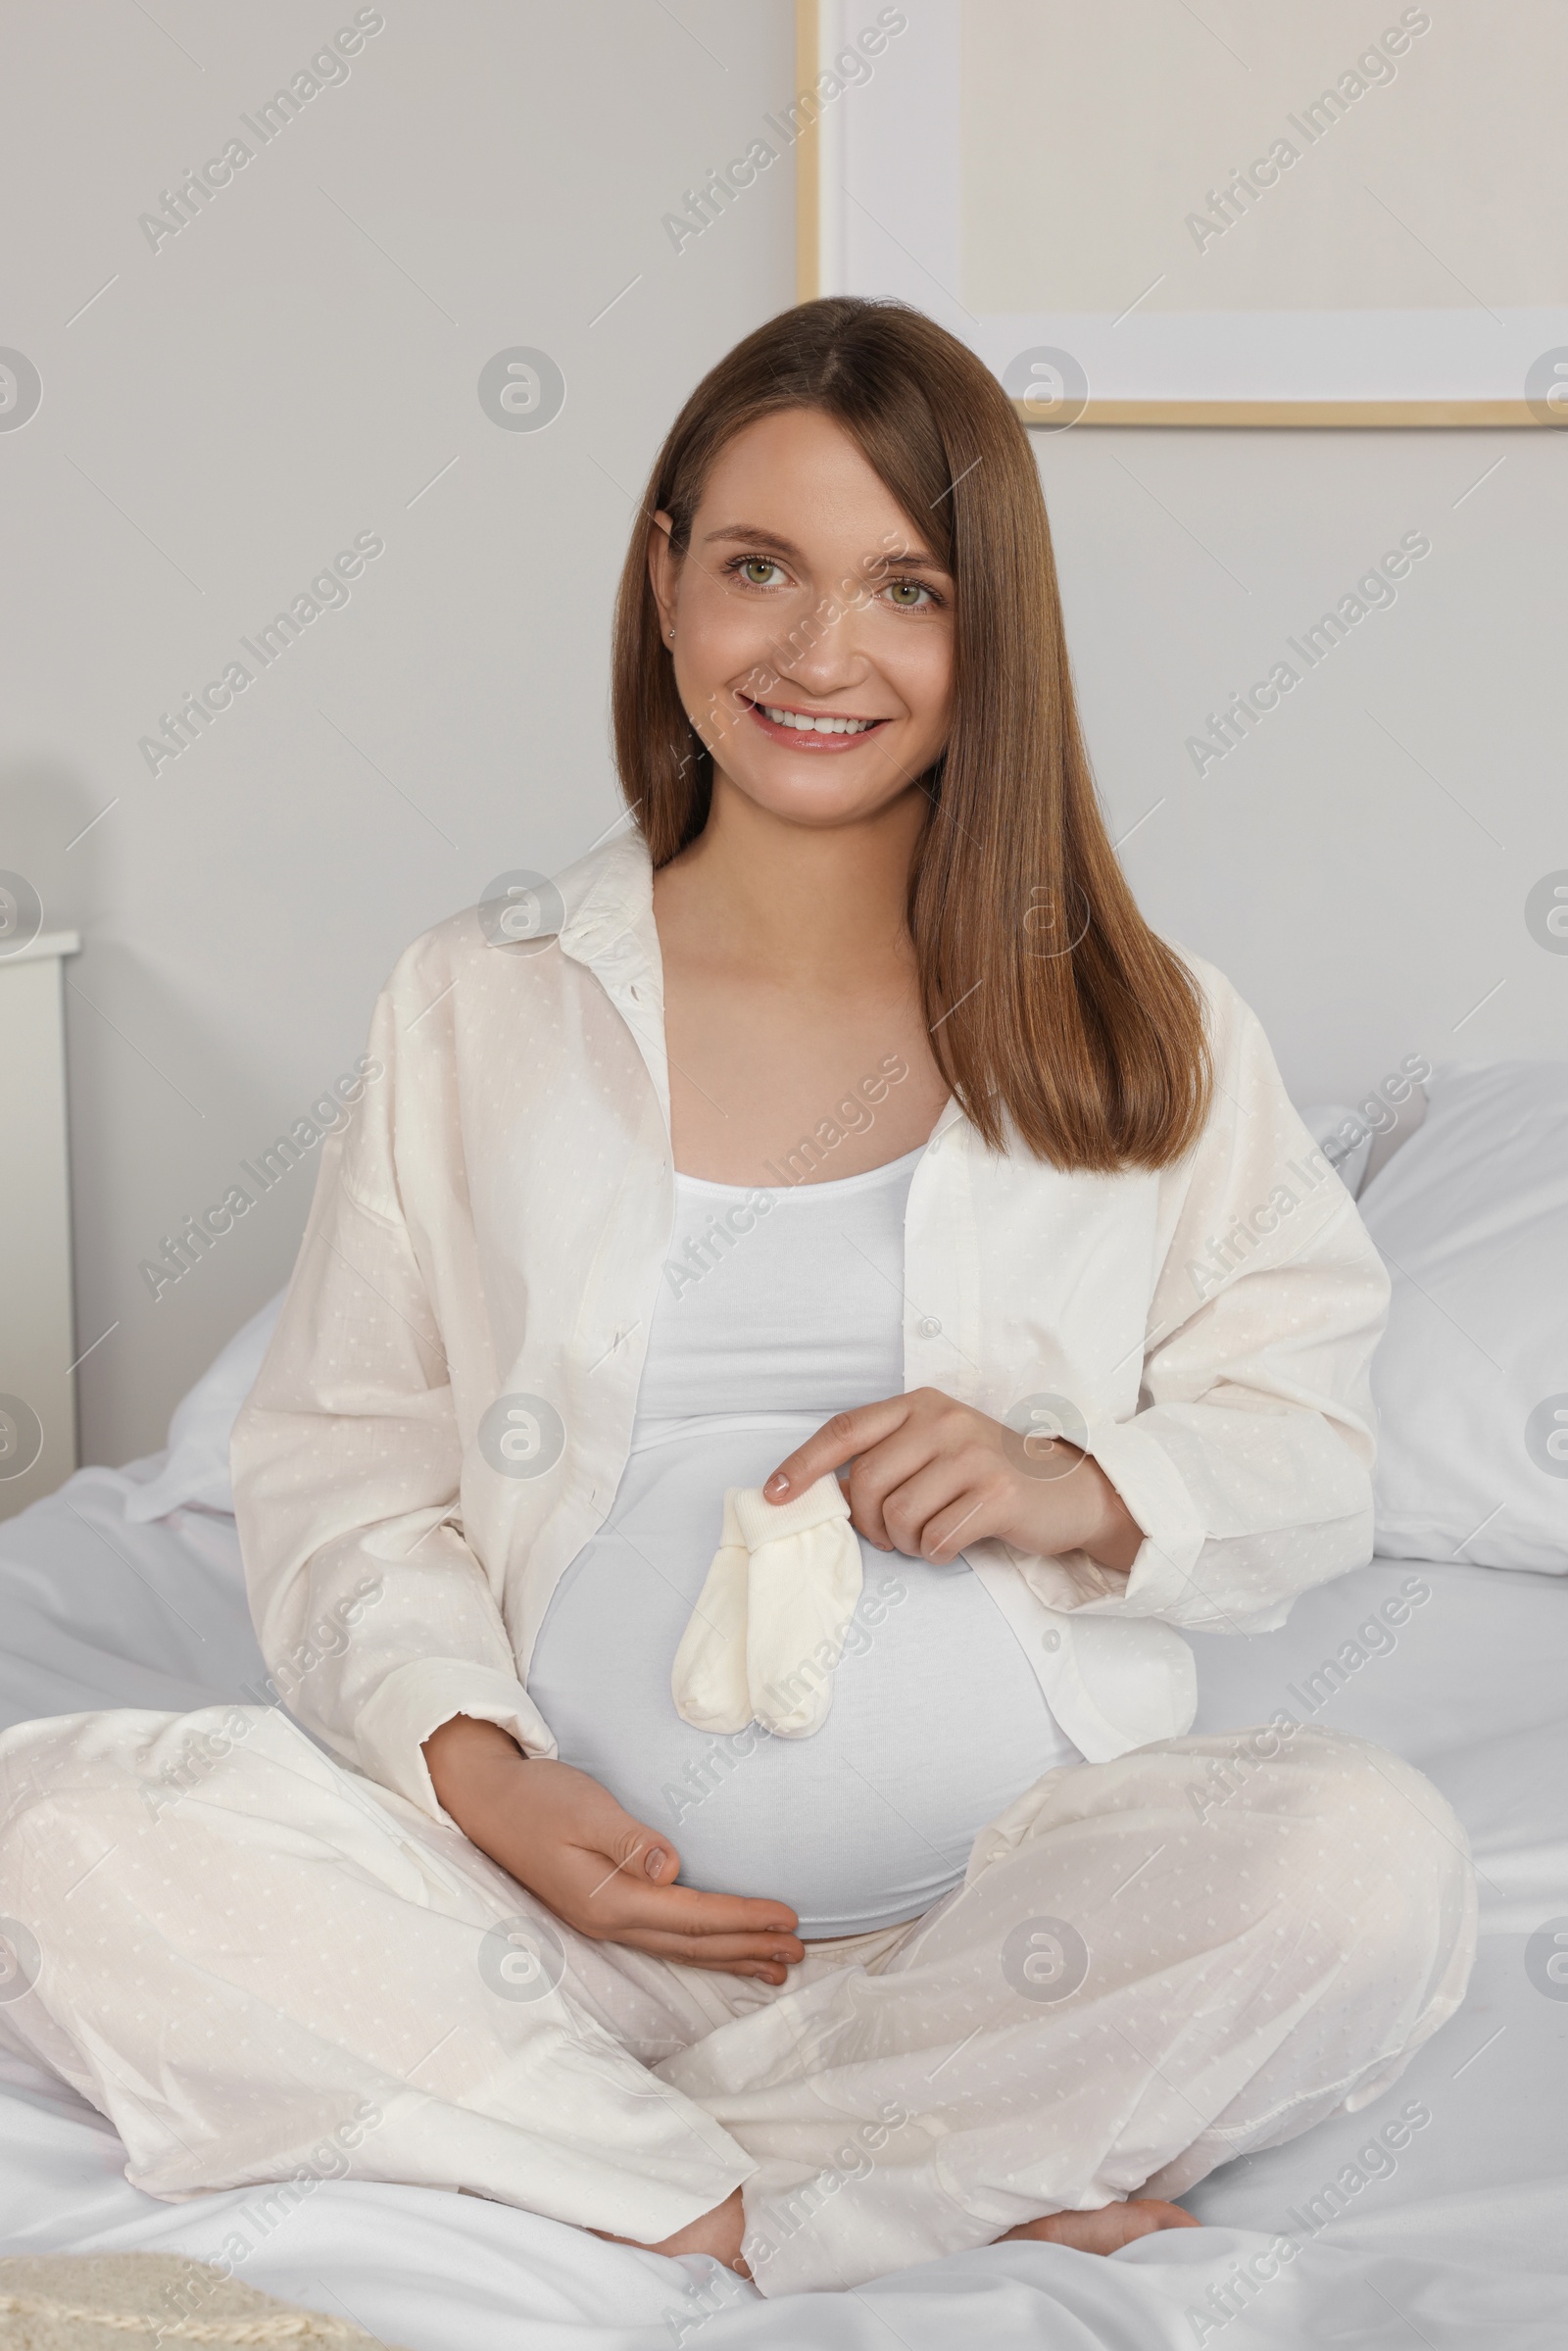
{"x": 770, "y": 1621}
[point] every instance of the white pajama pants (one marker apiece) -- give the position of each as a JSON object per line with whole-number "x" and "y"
{"x": 262, "y": 1965}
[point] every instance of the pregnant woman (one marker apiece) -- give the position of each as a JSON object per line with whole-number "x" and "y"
{"x": 836, "y": 1136}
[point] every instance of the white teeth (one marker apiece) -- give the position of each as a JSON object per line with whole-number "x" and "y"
{"x": 803, "y": 724}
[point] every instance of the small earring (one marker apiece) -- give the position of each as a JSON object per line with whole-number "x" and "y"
{"x": 672, "y": 636}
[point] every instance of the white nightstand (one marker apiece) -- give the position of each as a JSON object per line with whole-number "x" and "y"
{"x": 38, "y": 1333}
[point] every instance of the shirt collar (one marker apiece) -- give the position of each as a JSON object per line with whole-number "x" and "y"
{"x": 608, "y": 900}
{"x": 609, "y": 897}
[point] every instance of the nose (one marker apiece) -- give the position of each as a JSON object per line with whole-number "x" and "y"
{"x": 822, "y": 654}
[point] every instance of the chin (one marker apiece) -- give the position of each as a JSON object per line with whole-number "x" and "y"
{"x": 810, "y": 789}
{"x": 819, "y": 800}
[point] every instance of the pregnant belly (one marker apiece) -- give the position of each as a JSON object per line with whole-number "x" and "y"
{"x": 937, "y": 1721}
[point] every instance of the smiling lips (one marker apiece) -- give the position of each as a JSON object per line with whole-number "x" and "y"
{"x": 811, "y": 731}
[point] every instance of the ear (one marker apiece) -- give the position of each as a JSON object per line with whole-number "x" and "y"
{"x": 664, "y": 570}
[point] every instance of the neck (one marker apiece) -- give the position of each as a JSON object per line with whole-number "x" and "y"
{"x": 811, "y": 904}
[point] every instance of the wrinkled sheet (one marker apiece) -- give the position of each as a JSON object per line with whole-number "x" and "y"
{"x": 1460, "y": 2242}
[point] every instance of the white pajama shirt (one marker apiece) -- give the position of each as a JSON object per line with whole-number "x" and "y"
{"x": 441, "y": 1425}
{"x": 495, "y": 1221}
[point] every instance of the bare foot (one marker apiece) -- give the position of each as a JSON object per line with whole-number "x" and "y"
{"x": 717, "y": 2233}
{"x": 1106, "y": 2230}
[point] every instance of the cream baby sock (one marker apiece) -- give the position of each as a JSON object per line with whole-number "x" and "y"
{"x": 802, "y": 1585}
{"x": 709, "y": 1679}
{"x": 770, "y": 1620}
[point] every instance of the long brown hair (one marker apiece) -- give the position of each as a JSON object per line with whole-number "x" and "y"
{"x": 1051, "y": 1002}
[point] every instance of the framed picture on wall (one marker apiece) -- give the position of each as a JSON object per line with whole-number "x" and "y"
{"x": 1224, "y": 213}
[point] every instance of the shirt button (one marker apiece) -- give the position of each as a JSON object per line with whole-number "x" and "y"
{"x": 929, "y": 1327}
{"x": 1050, "y": 1640}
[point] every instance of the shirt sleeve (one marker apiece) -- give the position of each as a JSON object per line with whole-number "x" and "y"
{"x": 1249, "y": 1462}
{"x": 377, "y": 1620}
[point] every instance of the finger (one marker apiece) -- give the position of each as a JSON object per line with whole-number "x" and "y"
{"x": 626, "y": 1845}
{"x": 836, "y": 1442}
{"x": 973, "y": 1513}
{"x": 883, "y": 1471}
{"x": 609, "y": 1902}
{"x": 955, "y": 1500}
{"x": 720, "y": 1950}
{"x": 659, "y": 1860}
{"x": 687, "y": 1910}
{"x": 602, "y": 1896}
{"x": 771, "y": 1955}
{"x": 765, "y": 1971}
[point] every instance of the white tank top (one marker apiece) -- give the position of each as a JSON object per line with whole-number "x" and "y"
{"x": 778, "y": 1308}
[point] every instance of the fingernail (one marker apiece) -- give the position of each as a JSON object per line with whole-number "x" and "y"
{"x": 778, "y": 1483}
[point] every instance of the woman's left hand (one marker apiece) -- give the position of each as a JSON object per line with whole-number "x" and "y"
{"x": 930, "y": 1474}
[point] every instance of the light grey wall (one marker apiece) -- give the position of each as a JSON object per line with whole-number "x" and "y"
{"x": 290, "y": 370}
{"x": 1359, "y": 865}
{"x": 301, "y": 361}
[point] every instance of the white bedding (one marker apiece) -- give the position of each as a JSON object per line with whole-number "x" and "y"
{"x": 1463, "y": 2245}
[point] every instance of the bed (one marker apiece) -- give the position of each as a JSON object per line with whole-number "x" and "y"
{"x": 1456, "y": 2236}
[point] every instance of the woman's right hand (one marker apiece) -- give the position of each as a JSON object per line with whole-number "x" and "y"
{"x": 564, "y": 1837}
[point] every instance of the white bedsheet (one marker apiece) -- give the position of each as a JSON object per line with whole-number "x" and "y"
{"x": 1464, "y": 2246}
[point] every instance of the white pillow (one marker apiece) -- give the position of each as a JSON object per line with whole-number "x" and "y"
{"x": 1330, "y": 1125}
{"x": 1471, "y": 1378}
{"x": 1357, "y": 1143}
{"x": 196, "y": 1467}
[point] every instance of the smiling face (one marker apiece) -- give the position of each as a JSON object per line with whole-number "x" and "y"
{"x": 813, "y": 625}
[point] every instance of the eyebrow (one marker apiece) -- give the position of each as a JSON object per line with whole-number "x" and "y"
{"x": 757, "y": 535}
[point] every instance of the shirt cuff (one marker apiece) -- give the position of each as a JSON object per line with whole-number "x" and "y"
{"x": 416, "y": 1699}
{"x": 1160, "y": 1580}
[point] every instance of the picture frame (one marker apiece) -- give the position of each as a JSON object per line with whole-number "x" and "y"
{"x": 899, "y": 192}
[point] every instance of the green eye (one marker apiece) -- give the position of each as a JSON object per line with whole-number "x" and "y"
{"x": 756, "y": 565}
{"x": 907, "y": 594}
